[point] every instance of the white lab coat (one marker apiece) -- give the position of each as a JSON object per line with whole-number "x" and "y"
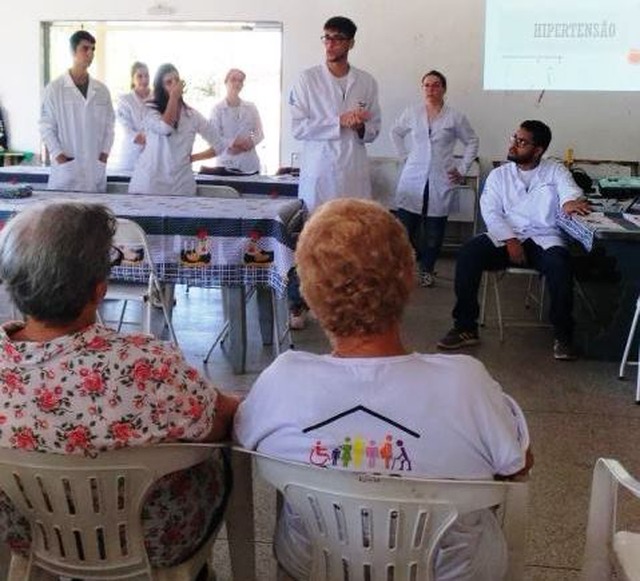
{"x": 164, "y": 166}
{"x": 334, "y": 160}
{"x": 240, "y": 121}
{"x": 130, "y": 114}
{"x": 80, "y": 128}
{"x": 429, "y": 151}
{"x": 511, "y": 210}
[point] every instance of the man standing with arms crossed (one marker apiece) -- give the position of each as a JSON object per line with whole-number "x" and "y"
{"x": 77, "y": 123}
{"x": 335, "y": 112}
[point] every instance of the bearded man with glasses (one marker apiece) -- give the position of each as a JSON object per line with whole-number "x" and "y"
{"x": 519, "y": 205}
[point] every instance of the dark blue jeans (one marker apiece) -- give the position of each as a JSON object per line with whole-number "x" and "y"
{"x": 426, "y": 233}
{"x": 294, "y": 296}
{"x": 480, "y": 254}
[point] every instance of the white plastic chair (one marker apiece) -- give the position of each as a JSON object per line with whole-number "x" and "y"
{"x": 531, "y": 297}
{"x": 604, "y": 542}
{"x": 373, "y": 527}
{"x": 130, "y": 235}
{"x": 210, "y": 191}
{"x": 85, "y": 512}
{"x": 625, "y": 356}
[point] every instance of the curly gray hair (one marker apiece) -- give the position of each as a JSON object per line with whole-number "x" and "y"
{"x": 53, "y": 255}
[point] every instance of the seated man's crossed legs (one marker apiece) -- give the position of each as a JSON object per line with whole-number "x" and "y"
{"x": 480, "y": 254}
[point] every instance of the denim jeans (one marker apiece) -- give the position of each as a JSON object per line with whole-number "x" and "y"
{"x": 426, "y": 233}
{"x": 480, "y": 254}
{"x": 294, "y": 296}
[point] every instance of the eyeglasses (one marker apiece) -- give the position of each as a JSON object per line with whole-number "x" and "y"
{"x": 328, "y": 38}
{"x": 519, "y": 142}
{"x": 116, "y": 256}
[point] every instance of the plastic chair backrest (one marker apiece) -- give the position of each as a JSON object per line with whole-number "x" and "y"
{"x": 85, "y": 512}
{"x": 601, "y": 543}
{"x": 522, "y": 270}
{"x": 373, "y": 527}
{"x": 137, "y": 261}
{"x": 129, "y": 234}
{"x": 207, "y": 191}
{"x": 295, "y": 223}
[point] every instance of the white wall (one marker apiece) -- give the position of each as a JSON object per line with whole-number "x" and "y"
{"x": 396, "y": 41}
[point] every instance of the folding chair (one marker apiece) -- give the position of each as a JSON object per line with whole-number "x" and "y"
{"x": 207, "y": 191}
{"x": 625, "y": 356}
{"x": 131, "y": 242}
{"x": 531, "y": 297}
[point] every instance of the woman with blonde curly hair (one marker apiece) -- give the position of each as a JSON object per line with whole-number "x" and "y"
{"x": 372, "y": 405}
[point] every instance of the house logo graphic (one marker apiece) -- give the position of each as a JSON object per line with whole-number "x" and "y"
{"x": 385, "y": 447}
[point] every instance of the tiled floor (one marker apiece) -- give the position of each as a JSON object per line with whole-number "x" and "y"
{"x": 576, "y": 412}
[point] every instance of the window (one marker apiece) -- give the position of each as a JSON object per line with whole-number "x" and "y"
{"x": 202, "y": 51}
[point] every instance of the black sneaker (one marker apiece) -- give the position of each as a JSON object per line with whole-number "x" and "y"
{"x": 564, "y": 350}
{"x": 455, "y": 339}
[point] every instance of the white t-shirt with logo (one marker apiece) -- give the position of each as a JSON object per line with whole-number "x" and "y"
{"x": 439, "y": 416}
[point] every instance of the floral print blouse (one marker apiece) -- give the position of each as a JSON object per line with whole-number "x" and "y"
{"x": 98, "y": 390}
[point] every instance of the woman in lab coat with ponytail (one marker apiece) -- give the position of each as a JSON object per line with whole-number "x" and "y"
{"x": 131, "y": 111}
{"x": 164, "y": 167}
{"x": 426, "y": 135}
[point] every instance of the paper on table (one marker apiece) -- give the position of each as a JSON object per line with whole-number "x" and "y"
{"x": 633, "y": 218}
{"x": 596, "y": 220}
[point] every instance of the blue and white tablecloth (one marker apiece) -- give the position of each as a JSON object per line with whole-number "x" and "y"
{"x": 201, "y": 241}
{"x": 586, "y": 229}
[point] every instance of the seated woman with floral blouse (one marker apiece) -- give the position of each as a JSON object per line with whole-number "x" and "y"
{"x": 72, "y": 386}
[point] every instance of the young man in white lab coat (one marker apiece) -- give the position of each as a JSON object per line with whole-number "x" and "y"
{"x": 77, "y": 123}
{"x": 519, "y": 205}
{"x": 335, "y": 112}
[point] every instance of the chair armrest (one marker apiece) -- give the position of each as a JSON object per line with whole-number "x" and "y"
{"x": 608, "y": 474}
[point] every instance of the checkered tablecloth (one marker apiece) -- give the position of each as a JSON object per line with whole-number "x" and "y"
{"x": 586, "y": 229}
{"x": 224, "y": 229}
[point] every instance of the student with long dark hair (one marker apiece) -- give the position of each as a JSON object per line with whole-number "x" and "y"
{"x": 164, "y": 167}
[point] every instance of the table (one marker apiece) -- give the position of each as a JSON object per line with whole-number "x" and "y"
{"x": 274, "y": 186}
{"x": 616, "y": 236}
{"x": 205, "y": 242}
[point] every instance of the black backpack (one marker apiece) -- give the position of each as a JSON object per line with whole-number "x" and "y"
{"x": 581, "y": 177}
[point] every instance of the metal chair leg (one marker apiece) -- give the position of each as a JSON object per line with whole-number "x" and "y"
{"x": 496, "y": 292}
{"x": 222, "y": 335}
{"x": 166, "y": 313}
{"x": 122, "y": 312}
{"x": 585, "y": 300}
{"x": 483, "y": 300}
{"x": 638, "y": 378}
{"x": 531, "y": 297}
{"x": 278, "y": 337}
{"x": 224, "y": 332}
{"x": 627, "y": 348}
